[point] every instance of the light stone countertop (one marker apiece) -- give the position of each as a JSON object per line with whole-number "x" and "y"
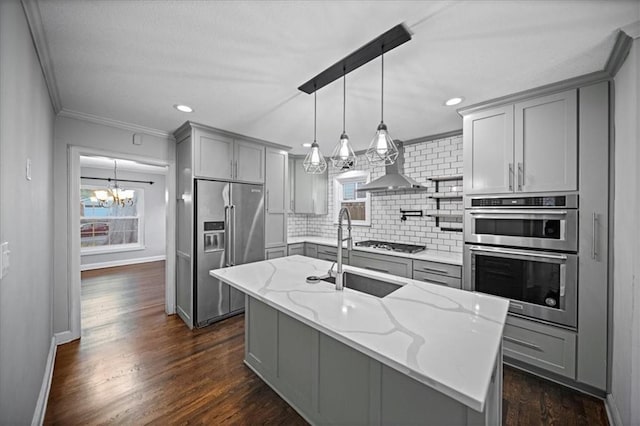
{"x": 446, "y": 338}
{"x": 431, "y": 255}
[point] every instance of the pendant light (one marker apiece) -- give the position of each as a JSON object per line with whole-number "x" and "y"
{"x": 343, "y": 157}
{"x": 382, "y": 150}
{"x": 314, "y": 163}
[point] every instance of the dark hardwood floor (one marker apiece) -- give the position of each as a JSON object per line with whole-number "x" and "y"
{"x": 135, "y": 365}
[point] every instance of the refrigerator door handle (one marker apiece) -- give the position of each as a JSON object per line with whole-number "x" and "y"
{"x": 227, "y": 234}
{"x": 233, "y": 235}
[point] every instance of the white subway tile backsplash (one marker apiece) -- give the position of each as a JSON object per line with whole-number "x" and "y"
{"x": 441, "y": 157}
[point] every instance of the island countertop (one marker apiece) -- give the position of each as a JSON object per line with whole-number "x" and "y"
{"x": 445, "y": 338}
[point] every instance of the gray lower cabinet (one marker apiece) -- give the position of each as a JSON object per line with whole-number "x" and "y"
{"x": 297, "y": 248}
{"x": 311, "y": 250}
{"x": 328, "y": 382}
{"x": 331, "y": 254}
{"x": 543, "y": 346}
{"x": 437, "y": 273}
{"x": 275, "y": 252}
{"x": 394, "y": 265}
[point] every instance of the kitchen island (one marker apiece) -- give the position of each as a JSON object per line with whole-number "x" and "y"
{"x": 424, "y": 354}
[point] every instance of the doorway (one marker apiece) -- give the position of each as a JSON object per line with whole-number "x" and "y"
{"x": 122, "y": 239}
{"x": 92, "y": 234}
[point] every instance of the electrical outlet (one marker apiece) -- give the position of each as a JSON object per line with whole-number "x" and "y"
{"x": 4, "y": 259}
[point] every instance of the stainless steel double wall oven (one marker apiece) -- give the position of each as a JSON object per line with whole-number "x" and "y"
{"x": 525, "y": 248}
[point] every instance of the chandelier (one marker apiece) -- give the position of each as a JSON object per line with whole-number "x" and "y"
{"x": 114, "y": 195}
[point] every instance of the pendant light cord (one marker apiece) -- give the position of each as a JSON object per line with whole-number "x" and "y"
{"x": 315, "y": 107}
{"x": 382, "y": 95}
{"x": 344, "y": 98}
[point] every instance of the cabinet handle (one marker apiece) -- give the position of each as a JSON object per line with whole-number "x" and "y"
{"x": 376, "y": 269}
{"x": 236, "y": 169}
{"x": 437, "y": 271}
{"x": 429, "y": 280}
{"x": 594, "y": 236}
{"x": 520, "y": 176}
{"x": 523, "y": 343}
{"x": 266, "y": 203}
{"x": 231, "y": 166}
{"x": 510, "y": 176}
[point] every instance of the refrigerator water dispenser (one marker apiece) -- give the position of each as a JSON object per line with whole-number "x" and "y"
{"x": 213, "y": 236}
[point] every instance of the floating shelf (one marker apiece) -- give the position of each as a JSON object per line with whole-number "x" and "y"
{"x": 444, "y": 178}
{"x": 445, "y": 216}
{"x": 445, "y": 196}
{"x": 438, "y": 196}
{"x": 451, "y": 229}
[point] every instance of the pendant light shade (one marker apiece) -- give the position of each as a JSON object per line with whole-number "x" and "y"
{"x": 382, "y": 150}
{"x": 314, "y": 163}
{"x": 343, "y": 157}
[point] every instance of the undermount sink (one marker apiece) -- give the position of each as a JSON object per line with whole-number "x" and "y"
{"x": 367, "y": 285}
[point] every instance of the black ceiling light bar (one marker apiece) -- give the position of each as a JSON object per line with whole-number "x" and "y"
{"x": 391, "y": 39}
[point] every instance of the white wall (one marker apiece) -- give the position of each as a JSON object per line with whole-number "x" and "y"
{"x": 119, "y": 143}
{"x": 26, "y": 219}
{"x": 154, "y": 218}
{"x": 625, "y": 386}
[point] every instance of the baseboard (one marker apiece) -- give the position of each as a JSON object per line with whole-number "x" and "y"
{"x": 43, "y": 397}
{"x": 63, "y": 337}
{"x": 123, "y": 262}
{"x": 613, "y": 415}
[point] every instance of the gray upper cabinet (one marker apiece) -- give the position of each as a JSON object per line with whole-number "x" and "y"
{"x": 309, "y": 191}
{"x": 222, "y": 157}
{"x": 529, "y": 146}
{"x": 213, "y": 155}
{"x": 546, "y": 143}
{"x": 488, "y": 151}
{"x": 249, "y": 162}
{"x": 276, "y": 200}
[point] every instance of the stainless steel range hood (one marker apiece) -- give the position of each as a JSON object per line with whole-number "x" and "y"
{"x": 394, "y": 178}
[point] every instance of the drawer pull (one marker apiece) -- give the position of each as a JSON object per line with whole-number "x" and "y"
{"x": 376, "y": 269}
{"x": 523, "y": 343}
{"x": 437, "y": 271}
{"x": 429, "y": 280}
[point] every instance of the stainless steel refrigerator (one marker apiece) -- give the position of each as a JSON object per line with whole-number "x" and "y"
{"x": 230, "y": 231}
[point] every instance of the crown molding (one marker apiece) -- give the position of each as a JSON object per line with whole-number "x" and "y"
{"x": 83, "y": 116}
{"x": 185, "y": 130}
{"x": 619, "y": 53}
{"x": 437, "y": 136}
{"x": 34, "y": 20}
{"x": 632, "y": 30}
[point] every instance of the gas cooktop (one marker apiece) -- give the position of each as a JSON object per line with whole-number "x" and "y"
{"x": 384, "y": 245}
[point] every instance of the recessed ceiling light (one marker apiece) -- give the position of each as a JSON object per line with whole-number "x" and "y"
{"x": 306, "y": 145}
{"x": 183, "y": 108}
{"x": 454, "y": 101}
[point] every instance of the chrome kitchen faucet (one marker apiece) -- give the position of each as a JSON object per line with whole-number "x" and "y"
{"x": 339, "y": 274}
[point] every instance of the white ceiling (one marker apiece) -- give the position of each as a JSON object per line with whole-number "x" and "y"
{"x": 239, "y": 63}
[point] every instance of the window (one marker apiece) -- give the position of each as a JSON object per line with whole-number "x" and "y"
{"x": 110, "y": 229}
{"x": 345, "y": 189}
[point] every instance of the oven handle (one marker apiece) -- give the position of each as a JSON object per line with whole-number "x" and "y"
{"x": 528, "y": 254}
{"x": 518, "y": 212}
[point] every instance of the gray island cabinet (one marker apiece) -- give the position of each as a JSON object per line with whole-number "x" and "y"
{"x": 424, "y": 354}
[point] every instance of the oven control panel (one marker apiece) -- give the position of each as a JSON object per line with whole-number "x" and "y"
{"x": 553, "y": 201}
